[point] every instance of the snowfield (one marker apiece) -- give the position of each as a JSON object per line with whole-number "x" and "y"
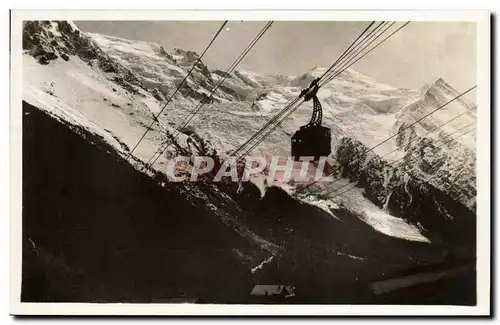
{"x": 354, "y": 106}
{"x": 354, "y": 200}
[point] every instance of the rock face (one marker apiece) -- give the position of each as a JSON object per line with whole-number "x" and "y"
{"x": 235, "y": 236}
{"x": 360, "y": 111}
{"x": 158, "y": 69}
{"x": 49, "y": 40}
{"x": 200, "y": 77}
{"x": 122, "y": 237}
{"x": 440, "y": 210}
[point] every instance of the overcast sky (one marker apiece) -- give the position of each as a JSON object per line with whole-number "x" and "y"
{"x": 418, "y": 54}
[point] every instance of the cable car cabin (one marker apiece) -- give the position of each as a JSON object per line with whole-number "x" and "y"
{"x": 312, "y": 139}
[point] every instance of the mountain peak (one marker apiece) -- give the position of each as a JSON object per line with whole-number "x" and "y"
{"x": 317, "y": 71}
{"x": 438, "y": 84}
{"x": 70, "y": 24}
{"x": 439, "y": 81}
{"x": 305, "y": 79}
{"x": 188, "y": 54}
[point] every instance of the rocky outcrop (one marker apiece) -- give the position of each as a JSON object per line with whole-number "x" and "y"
{"x": 158, "y": 95}
{"x": 201, "y": 81}
{"x": 126, "y": 237}
{"x": 437, "y": 210}
{"x": 48, "y": 40}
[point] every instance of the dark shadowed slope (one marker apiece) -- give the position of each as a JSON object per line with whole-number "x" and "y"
{"x": 336, "y": 259}
{"x": 97, "y": 230}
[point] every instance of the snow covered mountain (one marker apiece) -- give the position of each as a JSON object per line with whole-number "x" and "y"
{"x": 114, "y": 87}
{"x": 378, "y": 217}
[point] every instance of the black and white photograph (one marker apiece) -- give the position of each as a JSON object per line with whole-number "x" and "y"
{"x": 223, "y": 159}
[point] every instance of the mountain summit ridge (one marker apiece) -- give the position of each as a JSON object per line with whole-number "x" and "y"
{"x": 121, "y": 85}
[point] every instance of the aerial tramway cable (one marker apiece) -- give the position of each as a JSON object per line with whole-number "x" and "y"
{"x": 228, "y": 72}
{"x": 368, "y": 52}
{"x": 155, "y": 118}
{"x": 442, "y": 144}
{"x": 231, "y": 68}
{"x": 290, "y": 108}
{"x": 404, "y": 129}
{"x": 347, "y": 52}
